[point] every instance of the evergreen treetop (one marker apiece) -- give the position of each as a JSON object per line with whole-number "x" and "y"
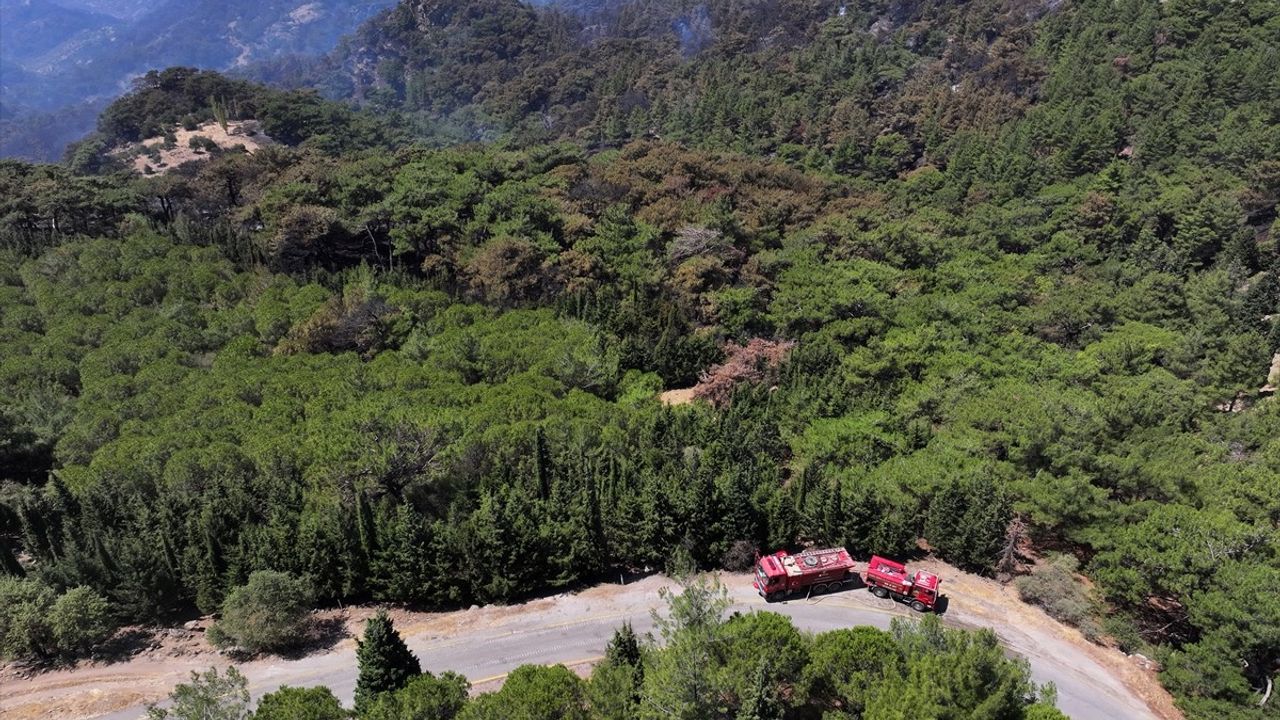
{"x": 385, "y": 662}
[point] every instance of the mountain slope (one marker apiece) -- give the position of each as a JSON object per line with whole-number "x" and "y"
{"x": 753, "y": 75}
{"x": 874, "y": 87}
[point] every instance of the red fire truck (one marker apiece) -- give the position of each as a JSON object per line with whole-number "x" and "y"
{"x": 887, "y": 578}
{"x": 818, "y": 571}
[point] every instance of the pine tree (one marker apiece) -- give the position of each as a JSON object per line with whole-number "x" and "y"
{"x": 1260, "y": 300}
{"x": 760, "y": 701}
{"x": 623, "y": 650}
{"x": 624, "y": 647}
{"x": 385, "y": 661}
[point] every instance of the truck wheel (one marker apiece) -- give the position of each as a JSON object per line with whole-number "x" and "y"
{"x": 879, "y": 592}
{"x": 819, "y": 589}
{"x": 773, "y": 597}
{"x": 918, "y": 606}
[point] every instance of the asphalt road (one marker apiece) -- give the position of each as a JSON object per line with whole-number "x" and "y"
{"x": 485, "y": 643}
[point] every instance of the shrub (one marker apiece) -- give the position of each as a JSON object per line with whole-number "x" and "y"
{"x": 267, "y": 613}
{"x": 36, "y": 623}
{"x": 200, "y": 143}
{"x": 1125, "y": 630}
{"x": 533, "y": 692}
{"x": 740, "y": 556}
{"x": 424, "y": 697}
{"x": 292, "y": 703}
{"x": 1054, "y": 587}
{"x": 24, "y": 611}
{"x": 79, "y": 620}
{"x": 209, "y": 696}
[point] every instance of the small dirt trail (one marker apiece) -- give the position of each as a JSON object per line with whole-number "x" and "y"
{"x": 485, "y": 643}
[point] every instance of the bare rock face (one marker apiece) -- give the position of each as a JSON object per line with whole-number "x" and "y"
{"x": 1273, "y": 377}
{"x": 440, "y": 14}
{"x": 1145, "y": 662}
{"x": 433, "y": 13}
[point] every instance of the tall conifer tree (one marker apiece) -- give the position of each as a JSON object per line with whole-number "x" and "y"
{"x": 385, "y": 661}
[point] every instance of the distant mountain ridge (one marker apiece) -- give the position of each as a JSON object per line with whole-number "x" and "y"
{"x": 33, "y": 28}
{"x": 123, "y": 9}
{"x": 874, "y": 82}
{"x": 87, "y": 51}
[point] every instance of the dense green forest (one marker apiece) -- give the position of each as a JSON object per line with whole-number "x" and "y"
{"x": 1026, "y": 255}
{"x": 756, "y": 666}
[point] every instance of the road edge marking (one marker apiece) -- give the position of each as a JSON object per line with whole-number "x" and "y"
{"x": 566, "y": 663}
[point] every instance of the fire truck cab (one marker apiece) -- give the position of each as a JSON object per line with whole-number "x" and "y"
{"x": 886, "y": 578}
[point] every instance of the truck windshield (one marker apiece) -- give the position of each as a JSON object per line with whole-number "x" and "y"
{"x": 764, "y": 580}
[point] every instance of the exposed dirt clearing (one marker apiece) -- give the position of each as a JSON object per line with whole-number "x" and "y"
{"x": 238, "y": 132}
{"x": 682, "y": 396}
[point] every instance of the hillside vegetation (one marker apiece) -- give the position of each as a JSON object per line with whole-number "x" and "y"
{"x": 1027, "y": 255}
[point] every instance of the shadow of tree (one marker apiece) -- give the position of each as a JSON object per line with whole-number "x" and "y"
{"x": 323, "y": 634}
{"x": 940, "y": 607}
{"x": 126, "y": 643}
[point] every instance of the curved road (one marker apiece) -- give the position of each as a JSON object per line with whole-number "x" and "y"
{"x": 486, "y": 643}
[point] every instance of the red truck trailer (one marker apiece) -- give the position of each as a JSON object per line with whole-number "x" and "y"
{"x": 887, "y": 578}
{"x": 781, "y": 574}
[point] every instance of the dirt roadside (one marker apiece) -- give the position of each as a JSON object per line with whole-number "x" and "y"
{"x": 985, "y": 603}
{"x": 485, "y": 642}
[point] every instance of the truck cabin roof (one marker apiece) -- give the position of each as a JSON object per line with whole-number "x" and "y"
{"x": 926, "y": 580}
{"x": 772, "y": 566}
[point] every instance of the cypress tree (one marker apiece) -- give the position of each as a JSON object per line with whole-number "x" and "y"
{"x": 220, "y": 114}
{"x": 542, "y": 463}
{"x": 385, "y": 662}
{"x": 833, "y": 516}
